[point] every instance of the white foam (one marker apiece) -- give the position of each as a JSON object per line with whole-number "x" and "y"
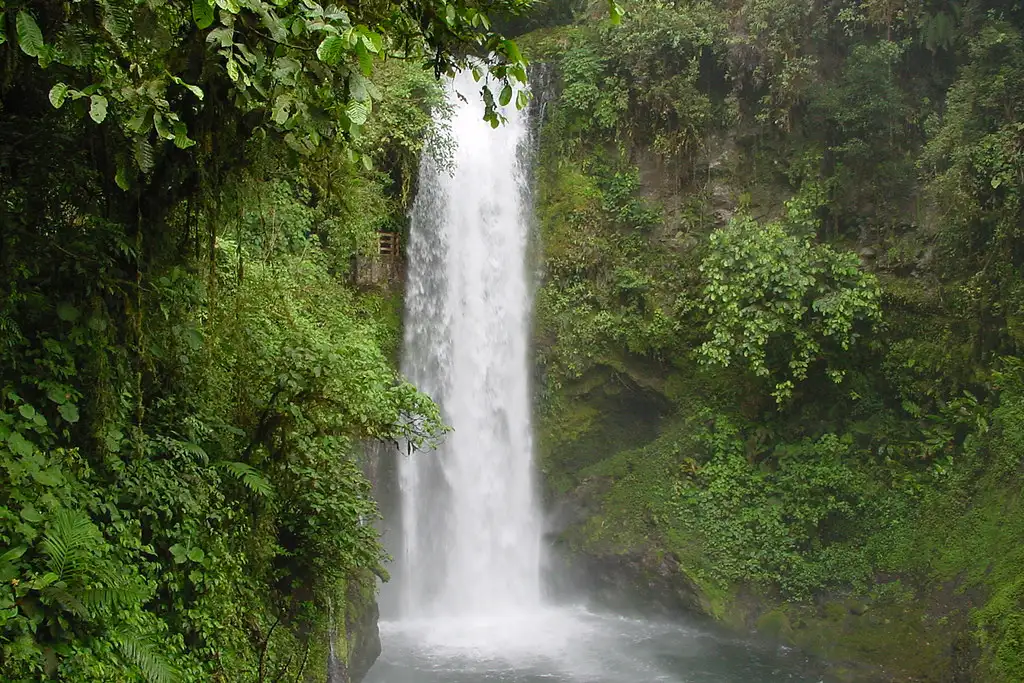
{"x": 470, "y": 526}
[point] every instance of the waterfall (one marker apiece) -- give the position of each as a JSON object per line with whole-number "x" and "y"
{"x": 470, "y": 527}
{"x": 468, "y": 606}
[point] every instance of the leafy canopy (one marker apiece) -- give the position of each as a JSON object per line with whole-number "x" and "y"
{"x": 781, "y": 302}
{"x": 180, "y": 72}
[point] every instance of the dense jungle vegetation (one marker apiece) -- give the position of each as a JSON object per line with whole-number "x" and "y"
{"x": 780, "y": 334}
{"x": 187, "y": 370}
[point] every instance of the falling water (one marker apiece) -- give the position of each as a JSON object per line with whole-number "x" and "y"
{"x": 470, "y": 526}
{"x": 470, "y": 609}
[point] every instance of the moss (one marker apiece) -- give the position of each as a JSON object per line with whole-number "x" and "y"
{"x": 355, "y": 639}
{"x": 546, "y": 44}
{"x": 900, "y": 637}
{"x": 1001, "y": 630}
{"x": 775, "y": 624}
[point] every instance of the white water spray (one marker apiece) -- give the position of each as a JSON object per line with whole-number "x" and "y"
{"x": 469, "y": 559}
{"x": 469, "y": 519}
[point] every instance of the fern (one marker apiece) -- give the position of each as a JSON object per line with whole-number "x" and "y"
{"x": 9, "y": 330}
{"x": 117, "y": 19}
{"x": 141, "y": 653}
{"x": 114, "y": 596}
{"x": 67, "y": 600}
{"x": 69, "y": 542}
{"x": 250, "y": 477}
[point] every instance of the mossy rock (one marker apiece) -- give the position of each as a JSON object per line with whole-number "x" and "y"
{"x": 356, "y": 639}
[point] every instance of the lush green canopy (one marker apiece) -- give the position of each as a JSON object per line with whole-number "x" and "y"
{"x": 187, "y": 373}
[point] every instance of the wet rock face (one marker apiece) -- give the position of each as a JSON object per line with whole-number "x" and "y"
{"x": 355, "y": 648}
{"x": 643, "y": 583}
{"x": 653, "y": 581}
{"x": 361, "y": 628}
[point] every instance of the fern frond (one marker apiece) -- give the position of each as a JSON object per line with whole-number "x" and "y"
{"x": 66, "y": 600}
{"x": 141, "y": 653}
{"x": 114, "y": 596}
{"x": 249, "y": 476}
{"x": 116, "y": 19}
{"x": 67, "y": 542}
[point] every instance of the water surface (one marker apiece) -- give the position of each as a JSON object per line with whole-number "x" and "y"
{"x": 573, "y": 645}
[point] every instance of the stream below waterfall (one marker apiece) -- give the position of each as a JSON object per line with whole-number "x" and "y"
{"x": 572, "y": 645}
{"x": 467, "y": 524}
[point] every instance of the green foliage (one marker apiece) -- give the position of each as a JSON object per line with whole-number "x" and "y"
{"x": 819, "y": 395}
{"x": 187, "y": 373}
{"x": 640, "y": 80}
{"x": 779, "y": 525}
{"x": 975, "y": 164}
{"x": 781, "y": 302}
{"x": 299, "y": 71}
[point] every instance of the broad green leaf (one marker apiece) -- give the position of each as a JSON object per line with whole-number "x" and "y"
{"x": 69, "y": 411}
{"x": 281, "y": 110}
{"x": 30, "y": 38}
{"x": 357, "y": 89}
{"x": 202, "y": 13}
{"x": 181, "y": 138}
{"x": 357, "y": 112}
{"x": 194, "y": 89}
{"x": 98, "y": 108}
{"x": 121, "y": 178}
{"x": 223, "y": 36}
{"x": 58, "y": 93}
{"x": 365, "y": 59}
{"x": 44, "y": 580}
{"x": 143, "y": 119}
{"x": 230, "y": 5}
{"x": 331, "y": 50}
{"x": 48, "y": 477}
{"x": 27, "y": 411}
{"x": 178, "y": 552}
{"x": 160, "y": 122}
{"x": 616, "y": 12}
{"x": 512, "y": 50}
{"x": 196, "y": 554}
{"x": 67, "y": 312}
{"x": 30, "y": 514}
{"x": 506, "y": 95}
{"x": 273, "y": 24}
{"x": 57, "y": 395}
{"x": 372, "y": 41}
{"x": 522, "y": 99}
{"x": 13, "y": 554}
{"x": 367, "y": 162}
{"x": 3, "y": 30}
{"x": 19, "y": 444}
{"x": 117, "y": 19}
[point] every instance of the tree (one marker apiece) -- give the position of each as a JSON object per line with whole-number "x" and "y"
{"x": 781, "y": 302}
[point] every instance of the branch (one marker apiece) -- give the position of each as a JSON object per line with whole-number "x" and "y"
{"x": 266, "y": 645}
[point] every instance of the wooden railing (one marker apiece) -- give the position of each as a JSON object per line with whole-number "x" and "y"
{"x": 388, "y": 243}
{"x": 383, "y": 268}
